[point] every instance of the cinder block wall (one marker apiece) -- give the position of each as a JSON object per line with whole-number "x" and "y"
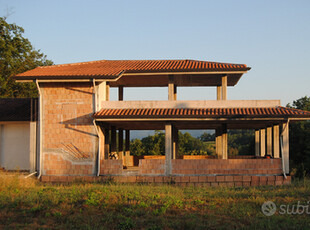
{"x": 110, "y": 167}
{"x": 152, "y": 166}
{"x": 230, "y": 166}
{"x": 69, "y": 138}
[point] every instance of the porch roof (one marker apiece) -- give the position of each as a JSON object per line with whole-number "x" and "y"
{"x": 213, "y": 113}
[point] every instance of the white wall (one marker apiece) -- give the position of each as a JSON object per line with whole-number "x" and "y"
{"x": 15, "y": 146}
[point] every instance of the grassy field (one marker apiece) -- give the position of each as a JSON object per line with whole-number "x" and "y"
{"x": 29, "y": 204}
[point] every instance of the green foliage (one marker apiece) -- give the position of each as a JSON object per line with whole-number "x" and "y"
{"x": 16, "y": 56}
{"x": 155, "y": 145}
{"x": 136, "y": 147}
{"x": 302, "y": 103}
{"x": 300, "y": 140}
{"x": 241, "y": 142}
{"x": 205, "y": 137}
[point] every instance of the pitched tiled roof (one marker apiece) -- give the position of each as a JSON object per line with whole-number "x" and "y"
{"x": 113, "y": 68}
{"x": 202, "y": 113}
{"x": 18, "y": 109}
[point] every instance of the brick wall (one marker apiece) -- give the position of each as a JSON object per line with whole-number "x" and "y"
{"x": 68, "y": 129}
{"x": 111, "y": 167}
{"x": 213, "y": 166}
{"x": 230, "y": 166}
{"x": 152, "y": 166}
{"x": 197, "y": 157}
{"x": 61, "y": 164}
{"x": 206, "y": 181}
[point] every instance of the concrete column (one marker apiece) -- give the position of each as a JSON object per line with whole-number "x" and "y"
{"x": 120, "y": 143}
{"x": 102, "y": 154}
{"x": 219, "y": 93}
{"x": 102, "y": 94}
{"x": 262, "y": 143}
{"x": 33, "y": 145}
{"x": 224, "y": 142}
{"x": 168, "y": 149}
{"x": 276, "y": 141}
{"x": 106, "y": 143}
{"x": 127, "y": 147}
{"x": 269, "y": 141}
{"x": 120, "y": 93}
{"x": 101, "y": 131}
{"x": 113, "y": 141}
{"x": 172, "y": 89}
{"x": 171, "y": 94}
{"x": 257, "y": 142}
{"x": 286, "y": 147}
{"x": 224, "y": 88}
{"x": 107, "y": 91}
{"x": 218, "y": 143}
{"x": 175, "y": 93}
{"x": 127, "y": 142}
{"x": 175, "y": 143}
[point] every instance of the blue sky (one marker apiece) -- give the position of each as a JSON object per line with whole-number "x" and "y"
{"x": 272, "y": 37}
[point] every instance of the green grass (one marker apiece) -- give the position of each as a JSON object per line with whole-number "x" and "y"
{"x": 29, "y": 204}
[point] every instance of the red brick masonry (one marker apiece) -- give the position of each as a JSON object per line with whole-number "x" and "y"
{"x": 206, "y": 172}
{"x": 213, "y": 166}
{"x": 228, "y": 180}
{"x": 56, "y": 164}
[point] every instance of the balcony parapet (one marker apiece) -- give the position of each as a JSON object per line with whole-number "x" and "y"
{"x": 190, "y": 104}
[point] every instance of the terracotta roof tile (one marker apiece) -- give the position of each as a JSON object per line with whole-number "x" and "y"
{"x": 113, "y": 68}
{"x": 202, "y": 113}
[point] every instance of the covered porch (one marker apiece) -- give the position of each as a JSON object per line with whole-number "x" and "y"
{"x": 270, "y": 160}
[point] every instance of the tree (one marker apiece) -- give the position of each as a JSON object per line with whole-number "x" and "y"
{"x": 207, "y": 137}
{"x": 241, "y": 142}
{"x": 136, "y": 147}
{"x": 300, "y": 140}
{"x": 16, "y": 56}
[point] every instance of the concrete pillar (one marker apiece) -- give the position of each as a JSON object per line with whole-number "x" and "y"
{"x": 219, "y": 93}
{"x": 102, "y": 94}
{"x": 262, "y": 143}
{"x": 107, "y": 91}
{"x": 171, "y": 92}
{"x": 127, "y": 142}
{"x": 269, "y": 141}
{"x": 120, "y": 143}
{"x": 224, "y": 88}
{"x": 175, "y": 93}
{"x": 168, "y": 149}
{"x": 286, "y": 147}
{"x": 120, "y": 93}
{"x": 127, "y": 147}
{"x": 218, "y": 143}
{"x": 106, "y": 143}
{"x": 224, "y": 142}
{"x": 101, "y": 131}
{"x": 33, "y": 145}
{"x": 113, "y": 141}
{"x": 175, "y": 143}
{"x": 276, "y": 141}
{"x": 257, "y": 154}
{"x": 172, "y": 89}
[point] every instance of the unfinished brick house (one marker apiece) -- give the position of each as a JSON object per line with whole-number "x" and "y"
{"x": 78, "y": 124}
